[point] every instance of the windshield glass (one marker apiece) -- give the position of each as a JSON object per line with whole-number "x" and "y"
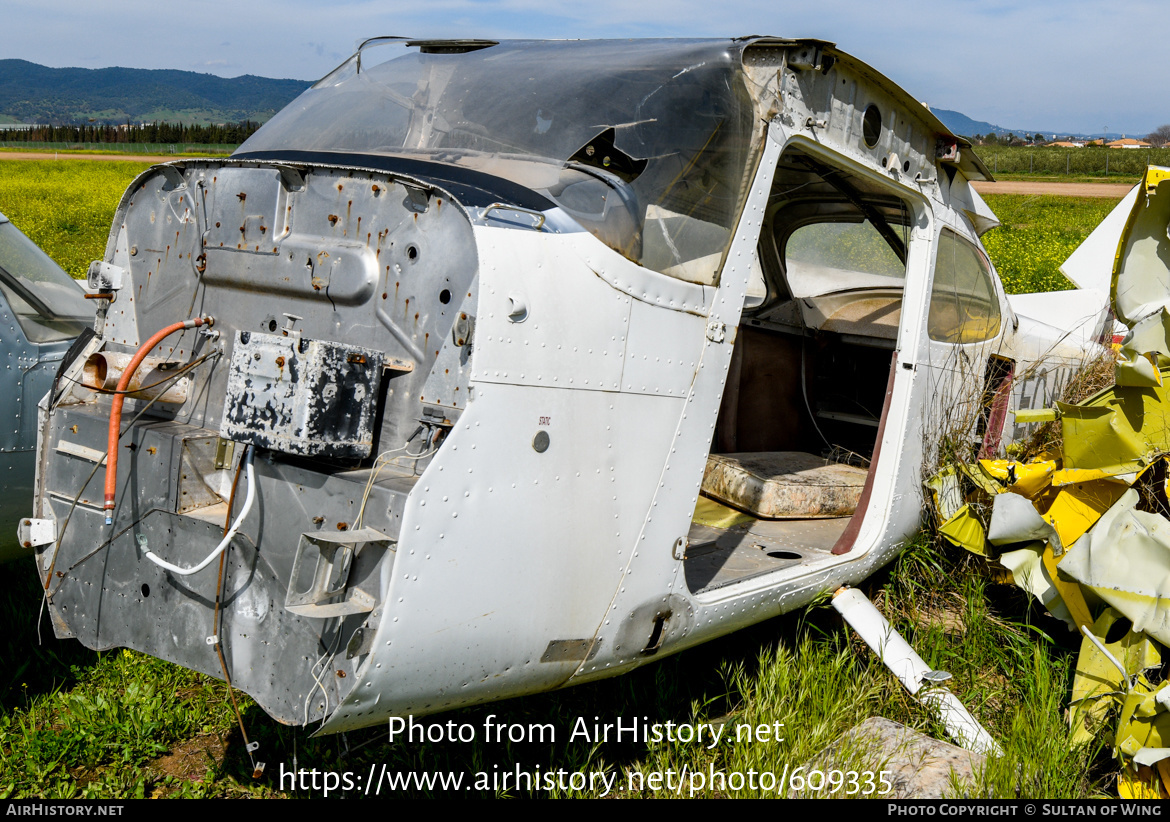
{"x": 649, "y": 142}
{"x": 48, "y": 303}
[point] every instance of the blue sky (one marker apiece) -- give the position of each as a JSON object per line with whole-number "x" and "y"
{"x": 1070, "y": 65}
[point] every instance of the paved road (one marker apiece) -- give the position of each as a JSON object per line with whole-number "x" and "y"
{"x": 1113, "y": 191}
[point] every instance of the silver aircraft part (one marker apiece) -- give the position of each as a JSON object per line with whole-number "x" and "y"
{"x": 41, "y": 310}
{"x": 356, "y": 287}
{"x": 483, "y": 343}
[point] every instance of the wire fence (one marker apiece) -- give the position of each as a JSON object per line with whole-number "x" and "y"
{"x": 1088, "y": 161}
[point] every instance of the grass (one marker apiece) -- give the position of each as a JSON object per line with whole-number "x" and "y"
{"x": 65, "y": 206}
{"x": 74, "y": 723}
{"x": 1037, "y": 234}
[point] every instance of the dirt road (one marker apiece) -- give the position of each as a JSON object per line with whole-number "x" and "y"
{"x": 1113, "y": 191}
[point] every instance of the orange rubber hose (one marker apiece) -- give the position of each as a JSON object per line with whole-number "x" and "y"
{"x": 120, "y": 397}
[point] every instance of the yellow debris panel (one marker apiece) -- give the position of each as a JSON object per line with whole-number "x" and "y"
{"x": 1096, "y": 675}
{"x": 1078, "y": 527}
{"x": 1027, "y": 478}
{"x": 1142, "y": 724}
{"x": 1138, "y": 370}
{"x": 1120, "y": 433}
{"x": 1029, "y": 573}
{"x": 1125, "y": 560}
{"x": 1141, "y": 785}
{"x": 964, "y": 530}
{"x": 1098, "y": 685}
{"x": 982, "y": 480}
{"x": 1078, "y": 507}
{"x": 947, "y": 492}
{"x": 1069, "y": 592}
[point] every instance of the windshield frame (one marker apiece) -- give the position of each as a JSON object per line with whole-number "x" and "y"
{"x": 665, "y": 131}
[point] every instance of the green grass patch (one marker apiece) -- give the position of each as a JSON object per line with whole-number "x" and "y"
{"x": 66, "y": 206}
{"x": 168, "y": 150}
{"x": 1037, "y": 234}
{"x": 1113, "y": 179}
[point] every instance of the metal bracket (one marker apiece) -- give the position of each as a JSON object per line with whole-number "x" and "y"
{"x": 515, "y": 216}
{"x": 329, "y": 593}
{"x": 290, "y": 321}
{"x": 225, "y": 451}
{"x": 362, "y": 641}
{"x": 33, "y": 533}
{"x": 103, "y": 276}
{"x": 716, "y": 331}
{"x": 463, "y": 329}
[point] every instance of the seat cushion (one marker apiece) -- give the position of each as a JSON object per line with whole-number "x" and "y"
{"x": 784, "y": 484}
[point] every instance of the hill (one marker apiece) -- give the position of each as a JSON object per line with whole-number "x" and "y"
{"x": 31, "y": 93}
{"x": 962, "y": 124}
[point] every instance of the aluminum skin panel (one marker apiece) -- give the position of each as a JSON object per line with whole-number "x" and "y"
{"x": 490, "y": 515}
{"x": 545, "y": 318}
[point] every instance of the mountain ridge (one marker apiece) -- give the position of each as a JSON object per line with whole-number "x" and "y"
{"x": 32, "y": 93}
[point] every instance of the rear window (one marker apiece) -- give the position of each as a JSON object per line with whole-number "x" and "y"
{"x": 964, "y": 306}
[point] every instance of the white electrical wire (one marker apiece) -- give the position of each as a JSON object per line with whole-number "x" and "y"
{"x": 175, "y": 569}
{"x": 380, "y": 463}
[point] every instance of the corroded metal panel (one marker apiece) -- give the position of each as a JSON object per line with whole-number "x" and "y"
{"x": 308, "y": 397}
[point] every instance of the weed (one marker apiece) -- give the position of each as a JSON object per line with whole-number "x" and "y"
{"x": 1036, "y": 235}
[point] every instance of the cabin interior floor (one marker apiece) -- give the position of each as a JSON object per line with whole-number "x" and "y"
{"x": 721, "y": 556}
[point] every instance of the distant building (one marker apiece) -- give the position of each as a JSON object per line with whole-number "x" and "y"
{"x": 1128, "y": 142}
{"x": 1068, "y": 144}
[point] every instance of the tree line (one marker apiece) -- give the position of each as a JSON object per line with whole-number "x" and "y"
{"x": 1157, "y": 138}
{"x": 222, "y": 133}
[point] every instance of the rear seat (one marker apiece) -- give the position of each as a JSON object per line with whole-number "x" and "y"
{"x": 784, "y": 484}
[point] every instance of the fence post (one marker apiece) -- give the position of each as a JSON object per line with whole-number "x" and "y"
{"x": 996, "y": 163}
{"x": 1067, "y": 155}
{"x": 1106, "y": 161}
{"x": 1031, "y": 156}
